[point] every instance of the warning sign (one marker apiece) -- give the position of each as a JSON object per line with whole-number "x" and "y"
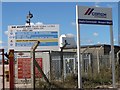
{"x": 24, "y": 68}
{"x": 11, "y": 54}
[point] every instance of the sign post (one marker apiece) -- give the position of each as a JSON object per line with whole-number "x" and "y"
{"x": 112, "y": 56}
{"x": 78, "y": 50}
{"x": 94, "y": 15}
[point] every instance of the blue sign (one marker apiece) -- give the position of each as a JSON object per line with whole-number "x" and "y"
{"x": 101, "y": 22}
{"x": 27, "y": 39}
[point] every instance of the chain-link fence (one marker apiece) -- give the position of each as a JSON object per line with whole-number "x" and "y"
{"x": 96, "y": 70}
{"x": 23, "y": 68}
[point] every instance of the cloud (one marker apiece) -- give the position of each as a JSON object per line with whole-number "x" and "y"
{"x": 114, "y": 40}
{"x": 70, "y": 35}
{"x": 6, "y": 32}
{"x": 38, "y": 23}
{"x": 28, "y": 24}
{"x": 87, "y": 41}
{"x": 95, "y": 34}
{"x": 1, "y": 42}
{"x": 73, "y": 23}
{"x": 4, "y": 47}
{"x": 98, "y": 43}
{"x": 90, "y": 41}
{"x": 96, "y": 4}
{"x": 111, "y": 5}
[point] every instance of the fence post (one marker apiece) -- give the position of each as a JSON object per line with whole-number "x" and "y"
{"x": 11, "y": 69}
{"x": 3, "y": 68}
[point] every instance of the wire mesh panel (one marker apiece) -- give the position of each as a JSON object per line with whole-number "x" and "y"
{"x": 42, "y": 76}
{"x": 4, "y": 71}
{"x": 62, "y": 78}
{"x": 23, "y": 68}
{"x": 51, "y": 67}
{"x": 56, "y": 69}
{"x": 100, "y": 74}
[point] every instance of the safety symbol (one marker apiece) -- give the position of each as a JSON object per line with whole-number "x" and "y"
{"x": 11, "y": 54}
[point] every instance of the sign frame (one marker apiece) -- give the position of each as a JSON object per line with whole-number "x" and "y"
{"x": 94, "y": 15}
{"x": 78, "y": 17}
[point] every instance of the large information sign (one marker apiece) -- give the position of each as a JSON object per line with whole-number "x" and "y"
{"x": 94, "y": 15}
{"x": 22, "y": 38}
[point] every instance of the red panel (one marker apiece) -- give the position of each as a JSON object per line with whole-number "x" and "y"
{"x": 37, "y": 73}
{"x": 24, "y": 68}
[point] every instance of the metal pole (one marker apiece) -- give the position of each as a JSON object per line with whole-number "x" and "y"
{"x": 64, "y": 63}
{"x": 118, "y": 63}
{"x": 110, "y": 59}
{"x": 3, "y": 68}
{"x": 33, "y": 70}
{"x": 51, "y": 78}
{"x": 61, "y": 56}
{"x": 62, "y": 68}
{"x": 112, "y": 56}
{"x": 29, "y": 21}
{"x": 33, "y": 64}
{"x": 74, "y": 65}
{"x": 98, "y": 61}
{"x": 118, "y": 56}
{"x": 78, "y": 50}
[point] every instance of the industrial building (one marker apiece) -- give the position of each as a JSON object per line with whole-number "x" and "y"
{"x": 93, "y": 57}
